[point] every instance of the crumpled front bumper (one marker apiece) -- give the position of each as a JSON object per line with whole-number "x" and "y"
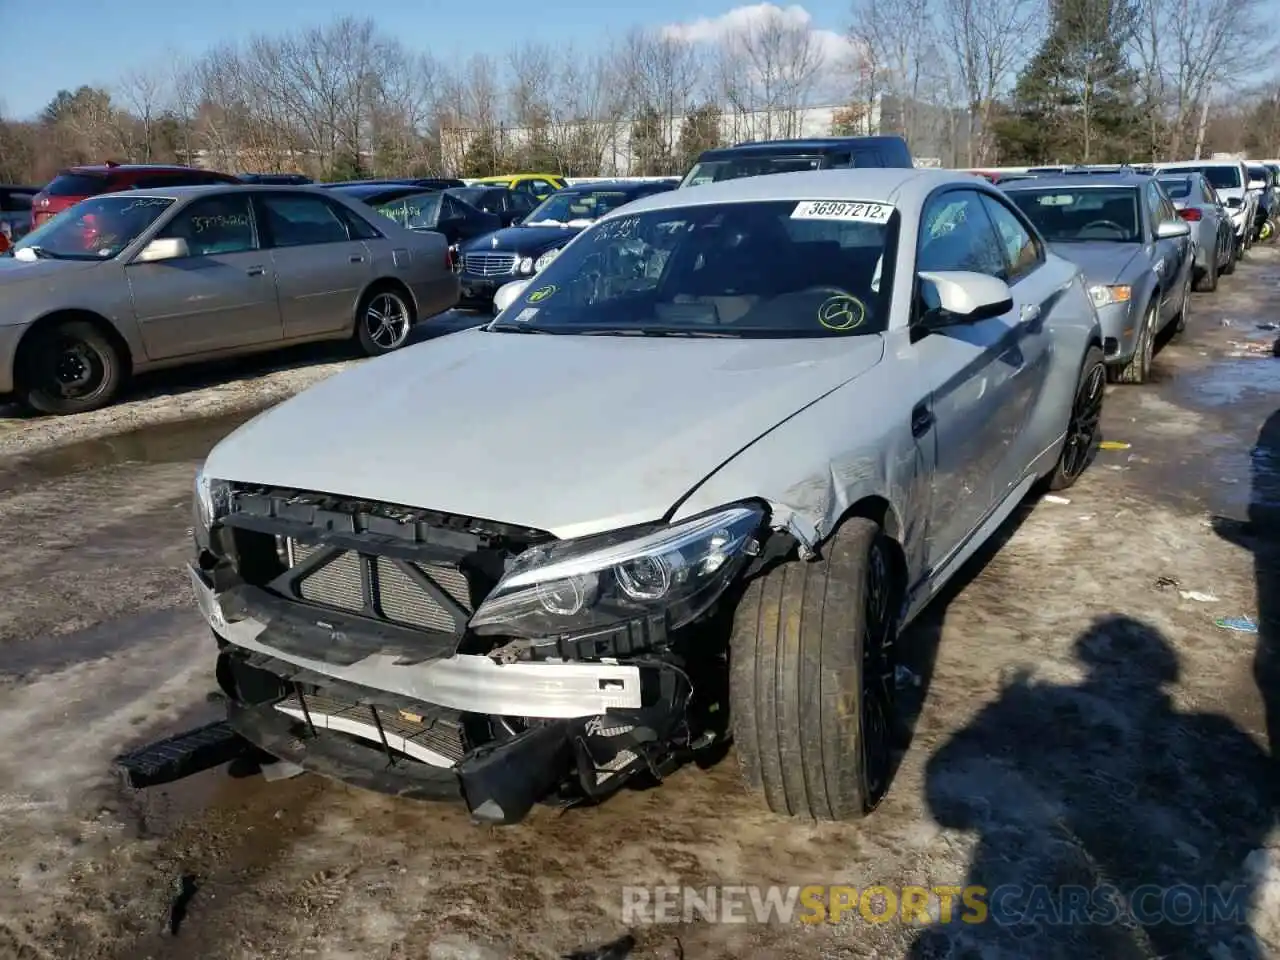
{"x": 476, "y": 684}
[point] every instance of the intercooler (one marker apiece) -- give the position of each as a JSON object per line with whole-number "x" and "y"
{"x": 391, "y": 591}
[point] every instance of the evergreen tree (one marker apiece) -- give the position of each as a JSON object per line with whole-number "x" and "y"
{"x": 700, "y": 131}
{"x": 650, "y": 156}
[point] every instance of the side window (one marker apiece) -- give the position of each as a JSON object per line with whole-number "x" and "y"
{"x": 220, "y": 224}
{"x": 521, "y": 203}
{"x": 296, "y": 220}
{"x": 956, "y": 234}
{"x": 450, "y": 208}
{"x": 1151, "y": 196}
{"x": 539, "y": 187}
{"x": 1021, "y": 250}
{"x": 358, "y": 228}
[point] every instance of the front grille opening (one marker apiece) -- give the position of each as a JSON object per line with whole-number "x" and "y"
{"x": 394, "y": 595}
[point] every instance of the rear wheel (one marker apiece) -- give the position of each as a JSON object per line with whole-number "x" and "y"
{"x": 1180, "y": 321}
{"x": 1230, "y": 266}
{"x": 1082, "y": 429}
{"x": 383, "y": 321}
{"x": 69, "y": 367}
{"x": 811, "y": 678}
{"x": 1207, "y": 281}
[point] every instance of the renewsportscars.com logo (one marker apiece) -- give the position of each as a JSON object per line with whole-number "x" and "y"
{"x": 944, "y": 903}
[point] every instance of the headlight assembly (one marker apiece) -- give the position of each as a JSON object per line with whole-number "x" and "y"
{"x": 526, "y": 265}
{"x": 1104, "y": 295}
{"x": 541, "y": 263}
{"x": 211, "y": 503}
{"x": 677, "y": 571}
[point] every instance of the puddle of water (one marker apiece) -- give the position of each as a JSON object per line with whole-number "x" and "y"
{"x": 1230, "y": 381}
{"x": 164, "y": 443}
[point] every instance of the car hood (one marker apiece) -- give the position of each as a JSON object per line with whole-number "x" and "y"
{"x": 17, "y": 271}
{"x": 568, "y": 434}
{"x": 523, "y": 240}
{"x": 1100, "y": 261}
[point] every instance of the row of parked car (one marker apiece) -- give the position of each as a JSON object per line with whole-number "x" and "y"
{"x": 156, "y": 266}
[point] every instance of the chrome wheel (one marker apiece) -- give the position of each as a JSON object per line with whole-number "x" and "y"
{"x": 877, "y": 674}
{"x": 386, "y": 320}
{"x": 1083, "y": 429}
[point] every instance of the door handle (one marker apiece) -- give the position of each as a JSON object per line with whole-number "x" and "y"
{"x": 357, "y": 259}
{"x": 256, "y": 271}
{"x": 1030, "y": 312}
{"x": 921, "y": 420}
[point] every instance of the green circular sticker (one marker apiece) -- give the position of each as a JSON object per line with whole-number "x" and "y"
{"x": 542, "y": 293}
{"x": 842, "y": 313}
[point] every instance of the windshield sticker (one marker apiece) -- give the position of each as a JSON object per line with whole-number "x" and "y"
{"x": 857, "y": 211}
{"x": 527, "y": 314}
{"x": 542, "y": 293}
{"x": 842, "y": 313}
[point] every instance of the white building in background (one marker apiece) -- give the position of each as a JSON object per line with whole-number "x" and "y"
{"x": 614, "y": 139}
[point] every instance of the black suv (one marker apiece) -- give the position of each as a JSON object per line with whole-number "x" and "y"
{"x": 754, "y": 158}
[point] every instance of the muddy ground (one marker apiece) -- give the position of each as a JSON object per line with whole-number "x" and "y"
{"x": 1079, "y": 719}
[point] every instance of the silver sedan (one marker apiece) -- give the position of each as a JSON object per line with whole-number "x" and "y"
{"x": 158, "y": 278}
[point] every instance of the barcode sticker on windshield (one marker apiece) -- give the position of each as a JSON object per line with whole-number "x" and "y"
{"x": 859, "y": 211}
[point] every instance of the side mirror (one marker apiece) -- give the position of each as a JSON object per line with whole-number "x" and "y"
{"x": 958, "y": 296}
{"x": 1171, "y": 229}
{"x": 168, "y": 248}
{"x": 508, "y": 294}
{"x": 1234, "y": 203}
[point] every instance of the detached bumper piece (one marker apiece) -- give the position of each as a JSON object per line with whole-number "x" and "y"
{"x": 180, "y": 756}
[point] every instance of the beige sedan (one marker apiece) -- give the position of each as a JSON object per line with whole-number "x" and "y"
{"x": 146, "y": 279}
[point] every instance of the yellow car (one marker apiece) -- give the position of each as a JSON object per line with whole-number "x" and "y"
{"x": 539, "y": 185}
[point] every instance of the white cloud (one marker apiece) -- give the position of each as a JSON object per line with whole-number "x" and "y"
{"x": 836, "y": 48}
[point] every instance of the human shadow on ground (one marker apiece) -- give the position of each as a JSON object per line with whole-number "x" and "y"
{"x": 1261, "y": 536}
{"x": 1109, "y": 824}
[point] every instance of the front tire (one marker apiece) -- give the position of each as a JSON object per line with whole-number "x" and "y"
{"x": 1082, "y": 429}
{"x": 1138, "y": 369}
{"x": 811, "y": 678}
{"x": 383, "y": 321}
{"x": 69, "y": 367}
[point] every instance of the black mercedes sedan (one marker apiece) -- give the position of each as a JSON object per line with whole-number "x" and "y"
{"x": 416, "y": 208}
{"x": 522, "y": 250}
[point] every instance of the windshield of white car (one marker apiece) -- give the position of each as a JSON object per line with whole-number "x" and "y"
{"x": 713, "y": 171}
{"x": 778, "y": 268}
{"x": 1222, "y": 176}
{"x": 1065, "y": 215}
{"x": 95, "y": 229}
{"x": 576, "y": 207}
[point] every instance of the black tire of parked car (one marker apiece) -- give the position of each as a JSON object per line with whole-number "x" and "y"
{"x": 1207, "y": 279}
{"x": 69, "y": 366}
{"x": 1084, "y": 427}
{"x": 811, "y": 677}
{"x": 1138, "y": 369}
{"x": 385, "y": 299}
{"x": 1179, "y": 322}
{"x": 1230, "y": 266}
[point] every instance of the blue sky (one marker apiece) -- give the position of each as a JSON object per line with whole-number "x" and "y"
{"x": 49, "y": 45}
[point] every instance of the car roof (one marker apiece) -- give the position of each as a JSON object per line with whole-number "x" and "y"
{"x": 364, "y": 190}
{"x": 106, "y": 168}
{"x": 1083, "y": 181}
{"x": 182, "y": 193}
{"x": 1196, "y": 164}
{"x": 813, "y": 144}
{"x": 617, "y": 186}
{"x": 504, "y": 177}
{"x": 878, "y": 184}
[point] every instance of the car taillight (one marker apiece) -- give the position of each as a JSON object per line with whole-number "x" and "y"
{"x": 1191, "y": 213}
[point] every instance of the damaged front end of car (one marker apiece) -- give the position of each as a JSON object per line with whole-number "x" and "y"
{"x": 437, "y": 656}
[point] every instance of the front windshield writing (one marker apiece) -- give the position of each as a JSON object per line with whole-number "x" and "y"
{"x": 566, "y": 207}
{"x": 1093, "y": 213}
{"x": 95, "y": 229}
{"x": 768, "y": 269}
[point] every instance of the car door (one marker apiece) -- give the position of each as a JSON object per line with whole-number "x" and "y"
{"x": 321, "y": 261}
{"x": 971, "y": 375}
{"x": 1036, "y": 294}
{"x": 221, "y": 296}
{"x": 1162, "y": 253}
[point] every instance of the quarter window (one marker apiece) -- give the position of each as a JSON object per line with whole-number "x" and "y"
{"x": 298, "y": 221}
{"x": 1021, "y": 250}
{"x": 212, "y": 226}
{"x": 956, "y": 234}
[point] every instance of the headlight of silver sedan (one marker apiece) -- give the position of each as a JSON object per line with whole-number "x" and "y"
{"x": 210, "y": 504}
{"x": 569, "y": 586}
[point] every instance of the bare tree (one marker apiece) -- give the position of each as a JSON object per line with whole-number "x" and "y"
{"x": 142, "y": 90}
{"x": 660, "y": 74}
{"x": 992, "y": 40}
{"x": 769, "y": 68}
